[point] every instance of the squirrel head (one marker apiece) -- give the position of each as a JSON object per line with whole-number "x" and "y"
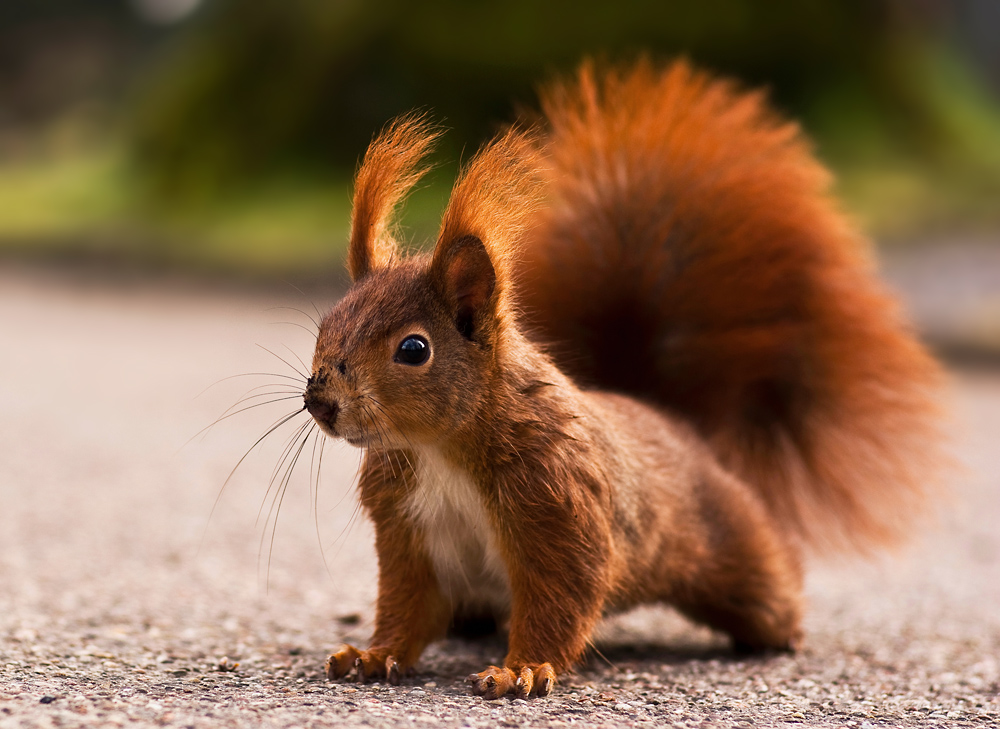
{"x": 411, "y": 352}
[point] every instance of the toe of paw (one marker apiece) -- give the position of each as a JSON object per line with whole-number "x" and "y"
{"x": 483, "y": 684}
{"x": 392, "y": 671}
{"x": 359, "y": 668}
{"x": 336, "y": 668}
{"x": 493, "y": 683}
{"x": 544, "y": 687}
{"x": 340, "y": 663}
{"x": 545, "y": 679}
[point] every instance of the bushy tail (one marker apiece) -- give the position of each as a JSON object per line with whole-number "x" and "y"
{"x": 692, "y": 257}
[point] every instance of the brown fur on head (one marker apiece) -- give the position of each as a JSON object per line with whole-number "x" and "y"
{"x": 407, "y": 356}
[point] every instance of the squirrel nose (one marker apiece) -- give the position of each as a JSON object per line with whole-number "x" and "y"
{"x": 324, "y": 412}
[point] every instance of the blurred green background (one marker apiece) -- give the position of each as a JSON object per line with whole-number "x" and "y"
{"x": 222, "y": 134}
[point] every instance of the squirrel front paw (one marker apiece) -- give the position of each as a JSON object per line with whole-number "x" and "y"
{"x": 370, "y": 664}
{"x": 529, "y": 680}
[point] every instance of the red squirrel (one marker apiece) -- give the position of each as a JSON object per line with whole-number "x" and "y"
{"x": 646, "y": 361}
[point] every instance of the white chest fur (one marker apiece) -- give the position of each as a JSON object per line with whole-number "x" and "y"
{"x": 458, "y": 534}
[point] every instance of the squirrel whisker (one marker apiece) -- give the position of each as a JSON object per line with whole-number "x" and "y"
{"x": 278, "y": 500}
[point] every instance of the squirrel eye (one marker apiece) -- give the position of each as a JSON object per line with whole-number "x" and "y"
{"x": 414, "y": 350}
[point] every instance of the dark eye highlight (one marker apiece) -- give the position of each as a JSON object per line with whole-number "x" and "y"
{"x": 414, "y": 350}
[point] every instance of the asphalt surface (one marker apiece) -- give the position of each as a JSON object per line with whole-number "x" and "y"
{"x": 126, "y": 600}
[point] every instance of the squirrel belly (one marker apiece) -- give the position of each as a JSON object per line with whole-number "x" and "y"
{"x": 646, "y": 361}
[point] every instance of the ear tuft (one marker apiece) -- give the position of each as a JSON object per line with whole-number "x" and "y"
{"x": 390, "y": 169}
{"x": 490, "y": 208}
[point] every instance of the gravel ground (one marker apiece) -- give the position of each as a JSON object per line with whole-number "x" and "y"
{"x": 123, "y": 602}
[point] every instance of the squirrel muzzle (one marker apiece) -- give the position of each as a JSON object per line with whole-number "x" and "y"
{"x": 324, "y": 412}
{"x": 323, "y": 407}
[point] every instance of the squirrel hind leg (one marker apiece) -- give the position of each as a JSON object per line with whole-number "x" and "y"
{"x": 753, "y": 628}
{"x": 748, "y": 582}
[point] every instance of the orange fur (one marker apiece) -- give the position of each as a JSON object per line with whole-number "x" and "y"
{"x": 713, "y": 375}
{"x": 390, "y": 170}
{"x": 692, "y": 258}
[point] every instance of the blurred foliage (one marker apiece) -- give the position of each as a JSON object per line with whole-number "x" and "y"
{"x": 234, "y": 134}
{"x": 260, "y": 86}
{"x": 82, "y": 204}
{"x": 938, "y": 175}
{"x": 300, "y": 82}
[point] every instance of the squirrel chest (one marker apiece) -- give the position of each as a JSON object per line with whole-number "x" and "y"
{"x": 449, "y": 512}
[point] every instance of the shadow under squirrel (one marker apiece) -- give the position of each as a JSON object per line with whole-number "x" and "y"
{"x": 647, "y": 361}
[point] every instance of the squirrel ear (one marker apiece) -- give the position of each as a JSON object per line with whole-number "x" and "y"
{"x": 390, "y": 169}
{"x": 465, "y": 275}
{"x": 490, "y": 207}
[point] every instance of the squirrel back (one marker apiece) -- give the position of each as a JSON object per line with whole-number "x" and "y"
{"x": 690, "y": 256}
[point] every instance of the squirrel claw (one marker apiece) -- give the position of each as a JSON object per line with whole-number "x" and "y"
{"x": 492, "y": 683}
{"x": 530, "y": 680}
{"x": 545, "y": 679}
{"x": 524, "y": 683}
{"x": 392, "y": 671}
{"x": 340, "y": 663}
{"x": 366, "y": 664}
